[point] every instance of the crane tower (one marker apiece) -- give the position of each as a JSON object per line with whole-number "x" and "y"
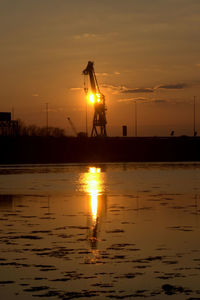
{"x": 99, "y": 119}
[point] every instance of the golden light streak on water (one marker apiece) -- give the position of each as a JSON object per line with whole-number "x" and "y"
{"x": 92, "y": 183}
{"x": 94, "y": 205}
{"x": 93, "y": 188}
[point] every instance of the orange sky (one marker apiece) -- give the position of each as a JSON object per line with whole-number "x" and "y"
{"x": 143, "y": 50}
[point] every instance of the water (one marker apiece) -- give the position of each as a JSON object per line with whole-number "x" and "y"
{"x": 107, "y": 231}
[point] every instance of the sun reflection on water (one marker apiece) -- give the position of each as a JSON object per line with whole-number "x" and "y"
{"x": 94, "y": 189}
{"x": 93, "y": 185}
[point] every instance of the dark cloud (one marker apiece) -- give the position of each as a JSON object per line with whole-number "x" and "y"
{"x": 138, "y": 99}
{"x": 121, "y": 89}
{"x": 160, "y": 101}
{"x": 114, "y": 89}
{"x": 176, "y": 86}
{"x": 138, "y": 90}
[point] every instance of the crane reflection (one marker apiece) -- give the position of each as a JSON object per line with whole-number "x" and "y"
{"x": 94, "y": 185}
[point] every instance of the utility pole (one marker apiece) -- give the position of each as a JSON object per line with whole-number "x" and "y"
{"x": 194, "y": 129}
{"x": 86, "y": 120}
{"x": 136, "y": 118}
{"x": 47, "y": 118}
{"x": 13, "y": 113}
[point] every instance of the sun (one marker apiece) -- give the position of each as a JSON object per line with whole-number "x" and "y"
{"x": 91, "y": 98}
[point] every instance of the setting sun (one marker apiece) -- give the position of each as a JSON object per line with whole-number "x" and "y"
{"x": 91, "y": 98}
{"x": 94, "y": 98}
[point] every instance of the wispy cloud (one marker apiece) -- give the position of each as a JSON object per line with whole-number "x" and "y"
{"x": 122, "y": 89}
{"x": 76, "y": 89}
{"x": 127, "y": 90}
{"x": 102, "y": 74}
{"x": 108, "y": 74}
{"x": 95, "y": 36}
{"x": 133, "y": 99}
{"x": 159, "y": 101}
{"x": 54, "y": 109}
{"x": 138, "y": 90}
{"x": 85, "y": 36}
{"x": 176, "y": 86}
{"x": 114, "y": 89}
{"x": 143, "y": 100}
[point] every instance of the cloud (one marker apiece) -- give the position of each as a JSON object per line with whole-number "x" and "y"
{"x": 143, "y": 100}
{"x": 122, "y": 89}
{"x": 96, "y": 36}
{"x": 107, "y": 74}
{"x": 114, "y": 89}
{"x": 140, "y": 99}
{"x": 84, "y": 36}
{"x": 138, "y": 90}
{"x": 102, "y": 74}
{"x": 75, "y": 89}
{"x": 160, "y": 101}
{"x": 176, "y": 86}
{"x": 54, "y": 109}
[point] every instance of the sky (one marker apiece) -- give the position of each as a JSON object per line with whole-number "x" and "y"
{"x": 146, "y": 51}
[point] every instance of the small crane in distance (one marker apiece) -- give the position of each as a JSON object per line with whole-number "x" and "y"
{"x": 77, "y": 134}
{"x": 72, "y": 126}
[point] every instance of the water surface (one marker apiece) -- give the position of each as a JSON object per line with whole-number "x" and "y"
{"x": 119, "y": 231}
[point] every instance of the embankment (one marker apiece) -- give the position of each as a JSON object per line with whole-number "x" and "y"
{"x": 26, "y": 149}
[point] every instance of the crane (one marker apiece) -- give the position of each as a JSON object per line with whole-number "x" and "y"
{"x": 72, "y": 126}
{"x": 99, "y": 118}
{"x": 77, "y": 134}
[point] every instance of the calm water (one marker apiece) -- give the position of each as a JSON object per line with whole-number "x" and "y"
{"x": 101, "y": 231}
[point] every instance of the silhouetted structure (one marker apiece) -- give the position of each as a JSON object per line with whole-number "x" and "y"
{"x": 99, "y": 119}
{"x": 124, "y": 130}
{"x": 43, "y": 149}
{"x": 7, "y": 126}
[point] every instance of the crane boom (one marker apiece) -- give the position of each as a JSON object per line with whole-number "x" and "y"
{"x": 89, "y": 70}
{"x": 99, "y": 119}
{"x": 72, "y": 126}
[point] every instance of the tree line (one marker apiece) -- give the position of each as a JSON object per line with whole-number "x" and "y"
{"x": 34, "y": 130}
{"x": 19, "y": 128}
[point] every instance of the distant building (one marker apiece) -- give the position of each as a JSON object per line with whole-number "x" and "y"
{"x": 8, "y": 126}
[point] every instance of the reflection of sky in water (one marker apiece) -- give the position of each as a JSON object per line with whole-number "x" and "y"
{"x": 145, "y": 218}
{"x": 120, "y": 178}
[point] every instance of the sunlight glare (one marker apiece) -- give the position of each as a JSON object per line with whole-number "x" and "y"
{"x": 94, "y": 204}
{"x": 98, "y": 97}
{"x": 91, "y": 98}
{"x": 93, "y": 187}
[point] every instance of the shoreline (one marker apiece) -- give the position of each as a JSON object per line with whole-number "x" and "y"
{"x": 36, "y": 149}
